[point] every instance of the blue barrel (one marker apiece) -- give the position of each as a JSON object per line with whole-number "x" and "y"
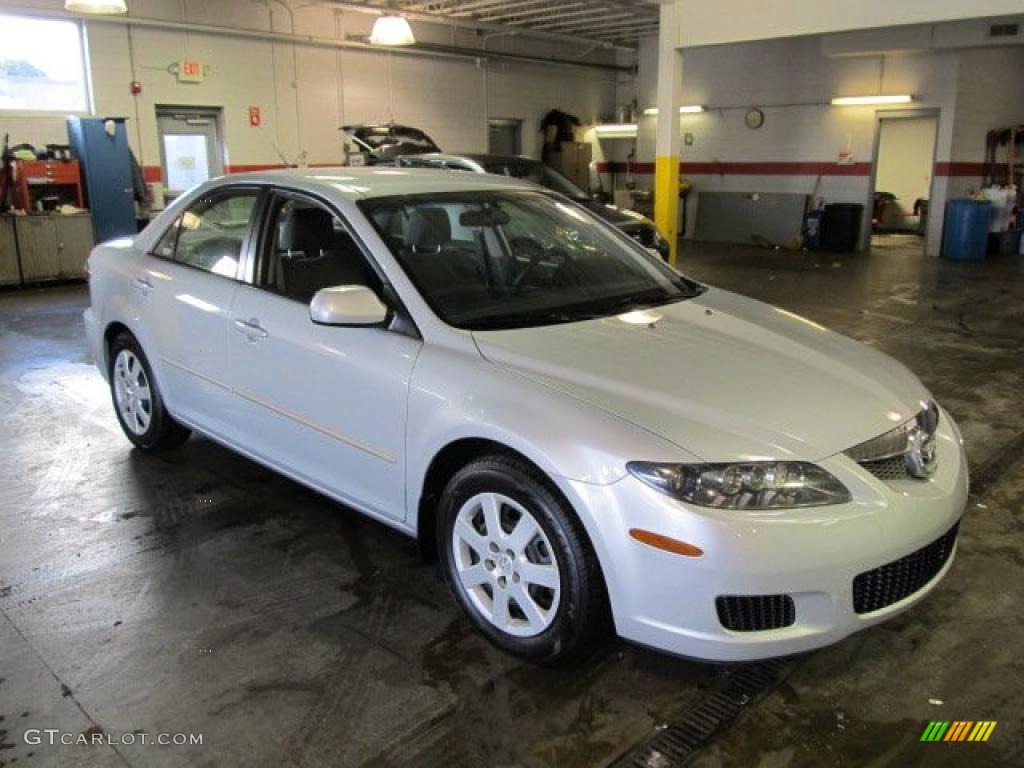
{"x": 965, "y": 231}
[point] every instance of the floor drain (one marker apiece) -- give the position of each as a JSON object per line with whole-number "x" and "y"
{"x": 674, "y": 744}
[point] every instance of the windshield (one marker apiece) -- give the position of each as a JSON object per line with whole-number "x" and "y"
{"x": 538, "y": 173}
{"x": 489, "y": 260}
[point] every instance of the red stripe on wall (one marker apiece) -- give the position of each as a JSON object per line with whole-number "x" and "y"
{"x": 640, "y": 168}
{"x": 746, "y": 168}
{"x": 155, "y": 172}
{"x": 787, "y": 169}
{"x": 964, "y": 169}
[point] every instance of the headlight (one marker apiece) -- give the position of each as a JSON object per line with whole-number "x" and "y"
{"x": 756, "y": 485}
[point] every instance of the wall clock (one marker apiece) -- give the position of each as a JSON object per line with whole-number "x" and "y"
{"x": 754, "y": 118}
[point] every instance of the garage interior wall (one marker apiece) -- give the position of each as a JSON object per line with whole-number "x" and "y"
{"x": 799, "y": 146}
{"x": 305, "y": 92}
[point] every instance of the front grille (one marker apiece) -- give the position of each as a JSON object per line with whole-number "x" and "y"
{"x": 893, "y": 468}
{"x": 755, "y": 613}
{"x": 890, "y": 583}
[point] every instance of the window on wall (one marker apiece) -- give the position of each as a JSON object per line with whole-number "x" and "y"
{"x": 42, "y": 65}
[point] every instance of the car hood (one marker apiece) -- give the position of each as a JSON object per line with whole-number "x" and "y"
{"x": 724, "y": 377}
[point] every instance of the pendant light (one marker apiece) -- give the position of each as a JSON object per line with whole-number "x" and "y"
{"x": 108, "y": 7}
{"x": 391, "y": 30}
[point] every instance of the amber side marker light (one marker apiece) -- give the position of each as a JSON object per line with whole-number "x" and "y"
{"x": 665, "y": 543}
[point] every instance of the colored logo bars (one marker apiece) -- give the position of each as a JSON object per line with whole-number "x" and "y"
{"x": 958, "y": 730}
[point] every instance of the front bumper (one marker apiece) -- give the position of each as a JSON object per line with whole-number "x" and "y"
{"x": 667, "y": 601}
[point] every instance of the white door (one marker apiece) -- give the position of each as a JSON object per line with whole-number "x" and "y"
{"x": 190, "y": 147}
{"x": 327, "y": 404}
{"x": 185, "y": 290}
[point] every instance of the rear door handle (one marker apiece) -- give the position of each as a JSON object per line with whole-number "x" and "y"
{"x": 142, "y": 285}
{"x": 251, "y": 328}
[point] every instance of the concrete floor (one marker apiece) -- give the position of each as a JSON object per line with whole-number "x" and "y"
{"x": 201, "y": 593}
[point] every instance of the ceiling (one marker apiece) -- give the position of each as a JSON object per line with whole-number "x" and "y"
{"x": 603, "y": 22}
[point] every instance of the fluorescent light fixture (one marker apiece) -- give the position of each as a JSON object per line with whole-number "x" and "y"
{"x": 686, "y": 109}
{"x": 860, "y": 101}
{"x": 96, "y": 6}
{"x": 391, "y": 30}
{"x": 616, "y": 130}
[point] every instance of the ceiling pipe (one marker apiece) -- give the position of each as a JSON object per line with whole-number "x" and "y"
{"x": 420, "y": 49}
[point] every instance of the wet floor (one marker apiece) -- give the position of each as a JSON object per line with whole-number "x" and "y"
{"x": 199, "y": 593}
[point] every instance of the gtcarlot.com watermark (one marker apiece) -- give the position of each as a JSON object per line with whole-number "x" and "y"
{"x": 95, "y": 737}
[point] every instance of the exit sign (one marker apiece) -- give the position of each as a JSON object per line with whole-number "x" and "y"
{"x": 190, "y": 71}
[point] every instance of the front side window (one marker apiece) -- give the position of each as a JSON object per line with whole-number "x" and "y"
{"x": 488, "y": 260}
{"x": 42, "y": 65}
{"x": 310, "y": 249}
{"x": 209, "y": 235}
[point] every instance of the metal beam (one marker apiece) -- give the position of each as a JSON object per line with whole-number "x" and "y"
{"x": 627, "y": 21}
{"x": 469, "y": 23}
{"x": 549, "y": 16}
{"x": 542, "y": 11}
{"x": 474, "y": 9}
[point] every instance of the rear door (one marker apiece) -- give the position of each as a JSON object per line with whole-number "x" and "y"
{"x": 184, "y": 289}
{"x": 326, "y": 404}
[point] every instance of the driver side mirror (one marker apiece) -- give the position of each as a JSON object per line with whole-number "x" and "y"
{"x": 347, "y": 305}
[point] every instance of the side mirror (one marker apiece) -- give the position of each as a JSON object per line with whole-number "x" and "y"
{"x": 352, "y": 305}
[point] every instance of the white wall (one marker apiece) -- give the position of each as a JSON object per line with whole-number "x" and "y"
{"x": 793, "y": 71}
{"x": 713, "y": 22}
{"x": 305, "y": 91}
{"x": 990, "y": 94}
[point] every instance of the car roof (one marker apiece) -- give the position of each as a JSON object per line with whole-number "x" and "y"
{"x": 357, "y": 183}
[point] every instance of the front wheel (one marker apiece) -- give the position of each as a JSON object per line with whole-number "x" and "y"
{"x": 518, "y": 562}
{"x": 137, "y": 400}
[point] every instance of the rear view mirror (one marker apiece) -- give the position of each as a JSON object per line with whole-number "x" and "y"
{"x": 484, "y": 217}
{"x": 351, "y": 305}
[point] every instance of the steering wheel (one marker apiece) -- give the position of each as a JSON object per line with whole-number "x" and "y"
{"x": 536, "y": 253}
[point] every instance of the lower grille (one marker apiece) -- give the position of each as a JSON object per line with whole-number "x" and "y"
{"x": 755, "y": 613}
{"x": 890, "y": 583}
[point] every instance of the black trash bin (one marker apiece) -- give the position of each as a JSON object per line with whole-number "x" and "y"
{"x": 840, "y": 227}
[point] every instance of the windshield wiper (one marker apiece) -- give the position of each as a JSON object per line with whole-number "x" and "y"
{"x": 640, "y": 300}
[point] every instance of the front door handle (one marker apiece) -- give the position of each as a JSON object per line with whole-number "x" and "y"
{"x": 251, "y": 328}
{"x": 142, "y": 284}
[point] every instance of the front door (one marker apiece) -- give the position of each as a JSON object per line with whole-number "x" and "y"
{"x": 325, "y": 404}
{"x": 190, "y": 147}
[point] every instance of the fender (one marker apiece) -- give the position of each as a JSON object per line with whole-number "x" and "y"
{"x": 566, "y": 438}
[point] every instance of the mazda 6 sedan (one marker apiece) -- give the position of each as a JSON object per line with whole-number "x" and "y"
{"x": 579, "y": 431}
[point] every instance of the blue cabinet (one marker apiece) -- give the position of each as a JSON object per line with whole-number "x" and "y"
{"x": 107, "y": 167}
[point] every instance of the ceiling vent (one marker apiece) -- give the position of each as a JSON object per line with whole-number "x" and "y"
{"x": 1004, "y": 30}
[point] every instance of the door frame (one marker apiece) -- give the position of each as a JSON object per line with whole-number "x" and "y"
{"x": 896, "y": 114}
{"x": 219, "y": 155}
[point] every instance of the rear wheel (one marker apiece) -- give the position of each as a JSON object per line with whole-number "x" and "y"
{"x": 137, "y": 401}
{"x": 517, "y": 561}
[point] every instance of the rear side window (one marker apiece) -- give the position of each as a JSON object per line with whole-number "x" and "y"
{"x": 209, "y": 235}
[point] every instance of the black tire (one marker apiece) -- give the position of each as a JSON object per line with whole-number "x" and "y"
{"x": 580, "y": 619}
{"x": 162, "y": 432}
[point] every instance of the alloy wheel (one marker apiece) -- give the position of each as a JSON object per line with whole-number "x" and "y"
{"x": 131, "y": 392}
{"x": 505, "y": 563}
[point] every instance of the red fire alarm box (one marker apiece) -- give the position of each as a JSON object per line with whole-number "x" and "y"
{"x": 255, "y": 117}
